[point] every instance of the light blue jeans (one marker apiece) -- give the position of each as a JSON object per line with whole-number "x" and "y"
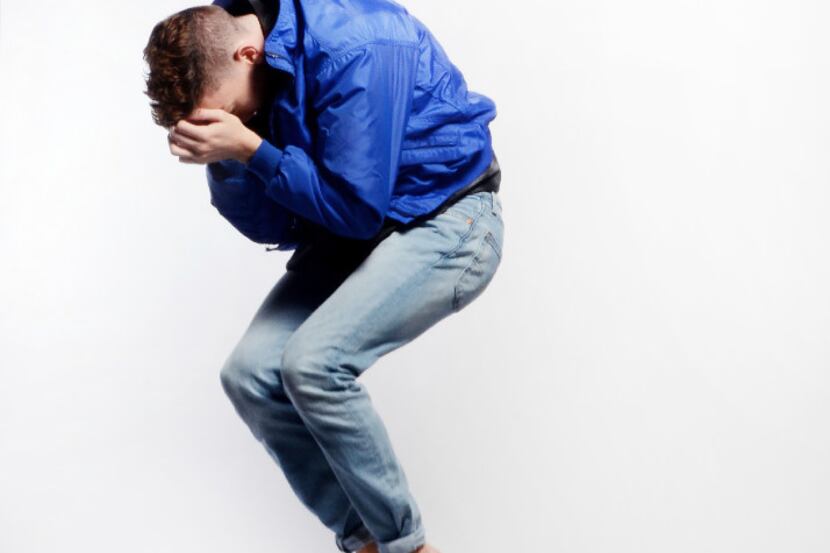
{"x": 293, "y": 377}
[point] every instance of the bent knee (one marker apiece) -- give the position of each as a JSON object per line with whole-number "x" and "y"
{"x": 307, "y": 367}
{"x": 242, "y": 375}
{"x": 302, "y": 366}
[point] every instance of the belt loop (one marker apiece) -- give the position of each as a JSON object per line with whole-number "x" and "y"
{"x": 496, "y": 204}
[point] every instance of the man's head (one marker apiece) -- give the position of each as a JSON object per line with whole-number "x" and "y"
{"x": 205, "y": 57}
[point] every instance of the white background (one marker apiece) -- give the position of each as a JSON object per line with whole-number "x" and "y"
{"x": 648, "y": 371}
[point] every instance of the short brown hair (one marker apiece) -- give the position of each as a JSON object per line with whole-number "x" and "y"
{"x": 187, "y": 54}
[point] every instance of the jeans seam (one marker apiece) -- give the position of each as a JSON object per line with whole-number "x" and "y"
{"x": 456, "y": 296}
{"x": 466, "y": 234}
{"x": 489, "y": 238}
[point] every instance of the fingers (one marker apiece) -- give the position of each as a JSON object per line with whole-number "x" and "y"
{"x": 186, "y": 128}
{"x": 185, "y": 155}
{"x": 194, "y": 125}
{"x": 206, "y": 115}
{"x": 191, "y": 137}
{"x": 180, "y": 139}
{"x": 177, "y": 150}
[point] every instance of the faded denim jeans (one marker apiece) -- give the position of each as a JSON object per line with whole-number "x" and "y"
{"x": 294, "y": 375}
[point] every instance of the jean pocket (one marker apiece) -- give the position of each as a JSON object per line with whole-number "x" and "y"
{"x": 477, "y": 275}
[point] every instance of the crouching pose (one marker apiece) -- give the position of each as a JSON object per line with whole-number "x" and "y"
{"x": 341, "y": 131}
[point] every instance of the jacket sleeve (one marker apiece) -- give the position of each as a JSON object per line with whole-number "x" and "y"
{"x": 361, "y": 100}
{"x": 241, "y": 199}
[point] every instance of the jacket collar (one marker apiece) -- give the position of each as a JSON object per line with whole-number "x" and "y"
{"x": 281, "y": 43}
{"x": 266, "y": 13}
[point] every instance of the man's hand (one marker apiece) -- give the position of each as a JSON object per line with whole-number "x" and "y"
{"x": 209, "y": 135}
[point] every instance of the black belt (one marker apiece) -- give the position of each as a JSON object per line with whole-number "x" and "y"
{"x": 325, "y": 251}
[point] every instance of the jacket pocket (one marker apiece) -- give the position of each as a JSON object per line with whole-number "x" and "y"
{"x": 449, "y": 137}
{"x": 437, "y": 146}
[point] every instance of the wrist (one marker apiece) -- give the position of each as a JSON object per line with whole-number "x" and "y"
{"x": 250, "y": 144}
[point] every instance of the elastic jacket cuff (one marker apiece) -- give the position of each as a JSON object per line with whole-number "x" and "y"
{"x": 265, "y": 160}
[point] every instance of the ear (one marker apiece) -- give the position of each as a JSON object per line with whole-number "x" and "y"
{"x": 250, "y": 54}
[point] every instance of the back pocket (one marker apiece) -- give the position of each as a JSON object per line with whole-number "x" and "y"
{"x": 477, "y": 275}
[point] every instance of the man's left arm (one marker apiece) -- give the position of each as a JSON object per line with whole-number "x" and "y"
{"x": 362, "y": 99}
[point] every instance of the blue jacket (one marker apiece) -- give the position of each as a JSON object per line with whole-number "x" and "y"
{"x": 374, "y": 122}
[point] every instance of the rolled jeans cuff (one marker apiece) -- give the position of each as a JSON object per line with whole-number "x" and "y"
{"x": 404, "y": 544}
{"x": 354, "y": 541}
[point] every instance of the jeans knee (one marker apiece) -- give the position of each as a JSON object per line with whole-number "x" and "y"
{"x": 233, "y": 377}
{"x": 302, "y": 370}
{"x": 230, "y": 377}
{"x": 245, "y": 378}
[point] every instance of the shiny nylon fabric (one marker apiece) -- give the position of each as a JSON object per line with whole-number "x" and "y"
{"x": 372, "y": 123}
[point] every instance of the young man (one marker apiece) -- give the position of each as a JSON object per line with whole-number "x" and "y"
{"x": 342, "y": 131}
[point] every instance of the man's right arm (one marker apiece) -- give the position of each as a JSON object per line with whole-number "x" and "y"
{"x": 240, "y": 198}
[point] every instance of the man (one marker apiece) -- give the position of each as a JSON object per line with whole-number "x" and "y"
{"x": 342, "y": 131}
